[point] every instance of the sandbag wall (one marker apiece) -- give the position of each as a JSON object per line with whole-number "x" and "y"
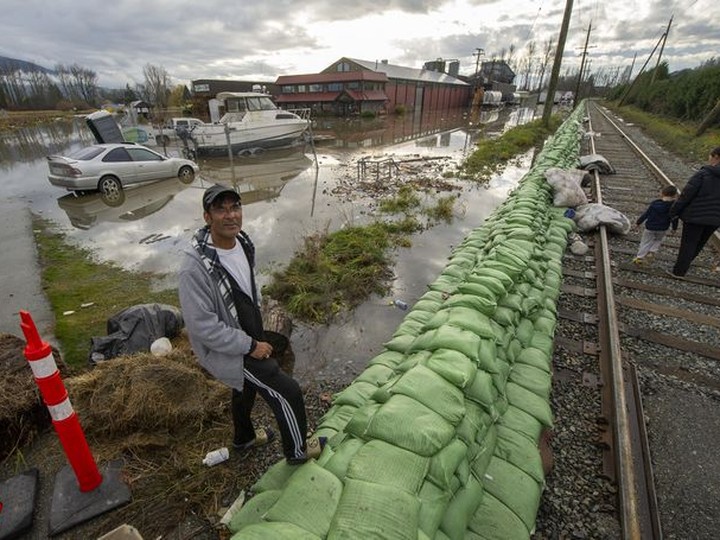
{"x": 438, "y": 437}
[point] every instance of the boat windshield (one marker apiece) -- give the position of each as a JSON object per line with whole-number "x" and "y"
{"x": 260, "y": 104}
{"x": 243, "y": 104}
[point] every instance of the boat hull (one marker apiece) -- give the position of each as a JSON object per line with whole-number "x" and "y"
{"x": 214, "y": 139}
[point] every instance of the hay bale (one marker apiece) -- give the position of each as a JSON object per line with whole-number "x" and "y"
{"x": 143, "y": 396}
{"x": 22, "y": 411}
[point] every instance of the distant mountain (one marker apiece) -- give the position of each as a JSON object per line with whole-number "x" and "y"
{"x": 13, "y": 63}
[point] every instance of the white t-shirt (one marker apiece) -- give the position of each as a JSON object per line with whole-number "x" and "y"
{"x": 236, "y": 263}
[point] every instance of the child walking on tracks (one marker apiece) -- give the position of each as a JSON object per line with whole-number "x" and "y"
{"x": 657, "y": 222}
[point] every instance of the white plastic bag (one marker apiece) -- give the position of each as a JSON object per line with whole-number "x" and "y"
{"x": 590, "y": 216}
{"x": 566, "y": 184}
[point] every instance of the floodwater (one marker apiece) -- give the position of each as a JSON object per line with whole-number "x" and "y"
{"x": 287, "y": 195}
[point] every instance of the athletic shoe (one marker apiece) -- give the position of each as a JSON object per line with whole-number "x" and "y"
{"x": 263, "y": 436}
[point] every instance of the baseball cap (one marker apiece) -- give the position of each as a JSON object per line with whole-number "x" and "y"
{"x": 213, "y": 192}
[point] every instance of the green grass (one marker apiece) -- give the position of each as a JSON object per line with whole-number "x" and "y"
{"x": 337, "y": 271}
{"x": 675, "y": 136}
{"x": 491, "y": 154}
{"x": 71, "y": 278}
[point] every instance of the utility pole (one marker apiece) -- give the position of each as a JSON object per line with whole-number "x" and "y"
{"x": 662, "y": 47}
{"x": 550, "y": 97}
{"x": 582, "y": 65}
{"x": 632, "y": 84}
{"x": 477, "y": 54}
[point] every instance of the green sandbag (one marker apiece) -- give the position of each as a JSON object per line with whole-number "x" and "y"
{"x": 447, "y": 337}
{"x": 520, "y": 451}
{"x": 309, "y": 499}
{"x": 474, "y": 424}
{"x": 400, "y": 344}
{"x": 506, "y": 280}
{"x": 453, "y": 366}
{"x": 382, "y": 463}
{"x": 276, "y": 531}
{"x": 427, "y": 387}
{"x": 534, "y": 357}
{"x": 462, "y": 317}
{"x": 380, "y": 369}
{"x": 461, "y": 508}
{"x": 531, "y": 378}
{"x": 482, "y": 390}
{"x": 409, "y": 424}
{"x": 524, "y": 331}
{"x": 356, "y": 394}
{"x": 514, "y": 488}
{"x": 485, "y": 452}
{"x": 529, "y": 402}
{"x": 444, "y": 464}
{"x": 522, "y": 422}
{"x": 433, "y": 502}
{"x": 254, "y": 509}
{"x": 359, "y": 422}
{"x": 368, "y": 510}
{"x": 337, "y": 417}
{"x": 506, "y": 316}
{"x": 478, "y": 303}
{"x": 342, "y": 454}
{"x": 275, "y": 477}
{"x": 495, "y": 521}
{"x": 543, "y": 342}
{"x": 492, "y": 283}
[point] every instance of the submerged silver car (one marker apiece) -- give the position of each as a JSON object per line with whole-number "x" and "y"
{"x": 108, "y": 168}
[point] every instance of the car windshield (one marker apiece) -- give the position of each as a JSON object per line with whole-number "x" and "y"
{"x": 85, "y": 154}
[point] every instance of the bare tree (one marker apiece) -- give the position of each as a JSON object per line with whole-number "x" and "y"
{"x": 157, "y": 85}
{"x": 526, "y": 65}
{"x": 77, "y": 83}
{"x": 547, "y": 54}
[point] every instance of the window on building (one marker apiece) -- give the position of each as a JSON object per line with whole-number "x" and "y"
{"x": 301, "y": 89}
{"x": 289, "y": 89}
{"x": 334, "y": 87}
{"x": 343, "y": 66}
{"x": 315, "y": 87}
{"x": 353, "y": 85}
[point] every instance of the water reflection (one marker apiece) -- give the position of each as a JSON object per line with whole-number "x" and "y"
{"x": 32, "y": 143}
{"x": 256, "y": 177}
{"x": 85, "y": 211}
{"x": 367, "y": 133}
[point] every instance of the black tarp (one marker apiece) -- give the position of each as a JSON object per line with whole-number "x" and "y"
{"x": 134, "y": 329}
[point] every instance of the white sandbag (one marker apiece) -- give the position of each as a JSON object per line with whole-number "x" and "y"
{"x": 566, "y": 184}
{"x": 590, "y": 216}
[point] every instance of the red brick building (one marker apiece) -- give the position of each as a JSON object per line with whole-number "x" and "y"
{"x": 351, "y": 86}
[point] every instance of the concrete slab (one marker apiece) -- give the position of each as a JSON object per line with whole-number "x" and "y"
{"x": 17, "y": 503}
{"x": 71, "y": 507}
{"x": 20, "y": 286}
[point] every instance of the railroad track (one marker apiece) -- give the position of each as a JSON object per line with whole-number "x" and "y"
{"x": 637, "y": 373}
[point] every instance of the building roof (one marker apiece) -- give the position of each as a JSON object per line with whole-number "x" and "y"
{"x": 315, "y": 78}
{"x": 411, "y": 74}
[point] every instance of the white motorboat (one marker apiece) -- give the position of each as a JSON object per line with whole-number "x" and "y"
{"x": 251, "y": 120}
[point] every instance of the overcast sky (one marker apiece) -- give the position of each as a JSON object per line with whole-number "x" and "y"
{"x": 214, "y": 39}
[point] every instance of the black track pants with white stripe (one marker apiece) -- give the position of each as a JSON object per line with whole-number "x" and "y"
{"x": 283, "y": 395}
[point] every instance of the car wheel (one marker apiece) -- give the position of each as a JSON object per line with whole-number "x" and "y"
{"x": 111, "y": 189}
{"x": 186, "y": 174}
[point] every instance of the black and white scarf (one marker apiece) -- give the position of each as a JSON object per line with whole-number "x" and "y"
{"x": 210, "y": 258}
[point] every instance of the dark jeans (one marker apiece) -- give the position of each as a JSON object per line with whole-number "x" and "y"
{"x": 284, "y": 396}
{"x": 693, "y": 240}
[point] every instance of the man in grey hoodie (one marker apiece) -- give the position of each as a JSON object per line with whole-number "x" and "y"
{"x": 699, "y": 209}
{"x": 220, "y": 306}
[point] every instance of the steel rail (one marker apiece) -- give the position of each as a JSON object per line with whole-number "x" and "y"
{"x": 715, "y": 238}
{"x": 630, "y": 500}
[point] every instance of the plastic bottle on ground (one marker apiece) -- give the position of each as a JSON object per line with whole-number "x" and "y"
{"x": 216, "y": 456}
{"x": 400, "y": 304}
